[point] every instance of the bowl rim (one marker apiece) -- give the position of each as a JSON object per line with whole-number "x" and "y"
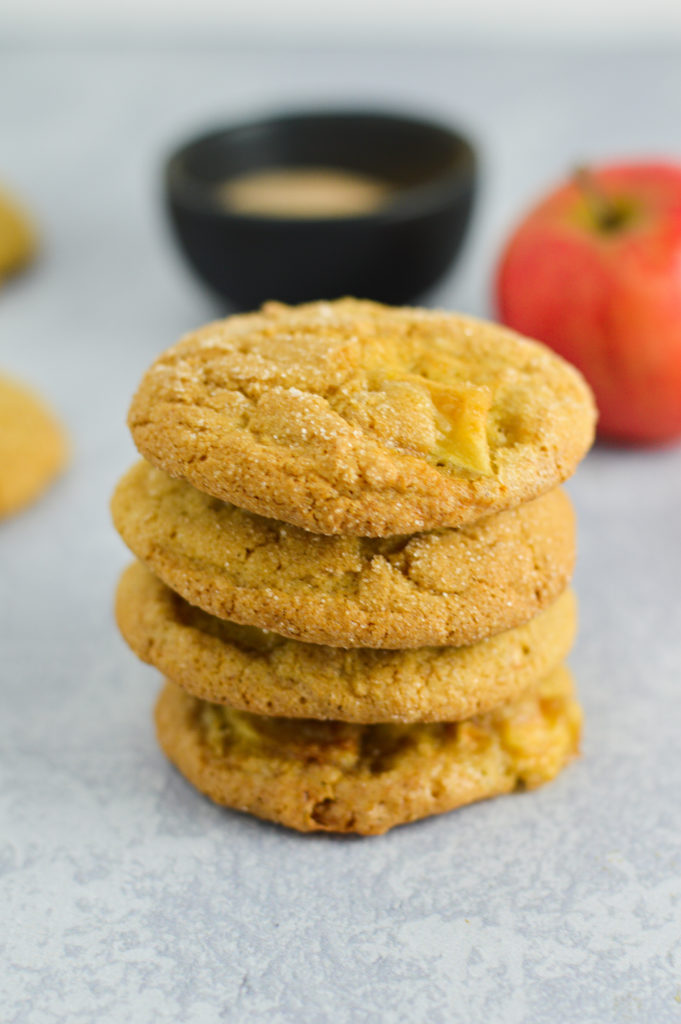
{"x": 406, "y": 203}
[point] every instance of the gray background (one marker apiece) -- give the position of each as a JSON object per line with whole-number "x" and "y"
{"x": 126, "y": 896}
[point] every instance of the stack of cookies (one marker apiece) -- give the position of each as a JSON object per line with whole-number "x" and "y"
{"x": 353, "y": 560}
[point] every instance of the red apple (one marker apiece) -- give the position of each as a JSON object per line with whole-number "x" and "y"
{"x": 594, "y": 271}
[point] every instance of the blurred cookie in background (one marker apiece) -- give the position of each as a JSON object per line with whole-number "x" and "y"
{"x": 17, "y": 236}
{"x": 33, "y": 446}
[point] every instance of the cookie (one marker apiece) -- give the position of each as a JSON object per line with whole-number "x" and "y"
{"x": 17, "y": 237}
{"x": 448, "y": 586}
{"x": 264, "y": 673}
{"x": 33, "y": 446}
{"x": 354, "y": 418}
{"x": 336, "y": 777}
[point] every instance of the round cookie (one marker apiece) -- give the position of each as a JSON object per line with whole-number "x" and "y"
{"x": 17, "y": 237}
{"x": 261, "y": 672}
{"x": 354, "y": 418}
{"x": 335, "y": 777}
{"x": 443, "y": 587}
{"x": 33, "y": 446}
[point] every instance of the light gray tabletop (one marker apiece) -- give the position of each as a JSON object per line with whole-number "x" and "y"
{"x": 125, "y": 895}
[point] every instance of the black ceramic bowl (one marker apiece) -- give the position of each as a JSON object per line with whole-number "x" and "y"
{"x": 393, "y": 254}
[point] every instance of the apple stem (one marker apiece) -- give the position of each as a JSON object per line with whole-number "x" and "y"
{"x": 607, "y": 214}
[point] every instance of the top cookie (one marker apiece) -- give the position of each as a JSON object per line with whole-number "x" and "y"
{"x": 351, "y": 417}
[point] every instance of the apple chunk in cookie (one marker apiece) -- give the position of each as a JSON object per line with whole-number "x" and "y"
{"x": 446, "y": 424}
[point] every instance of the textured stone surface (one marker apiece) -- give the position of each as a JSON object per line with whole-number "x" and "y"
{"x": 123, "y": 894}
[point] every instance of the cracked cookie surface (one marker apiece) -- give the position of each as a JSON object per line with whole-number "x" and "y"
{"x": 354, "y": 418}
{"x": 448, "y": 586}
{"x": 336, "y": 777}
{"x": 33, "y": 447}
{"x": 261, "y": 672}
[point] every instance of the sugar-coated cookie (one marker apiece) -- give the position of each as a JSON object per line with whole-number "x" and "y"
{"x": 447, "y": 586}
{"x": 33, "y": 446}
{"x": 355, "y": 418}
{"x": 264, "y": 673}
{"x": 17, "y": 237}
{"x": 336, "y": 777}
